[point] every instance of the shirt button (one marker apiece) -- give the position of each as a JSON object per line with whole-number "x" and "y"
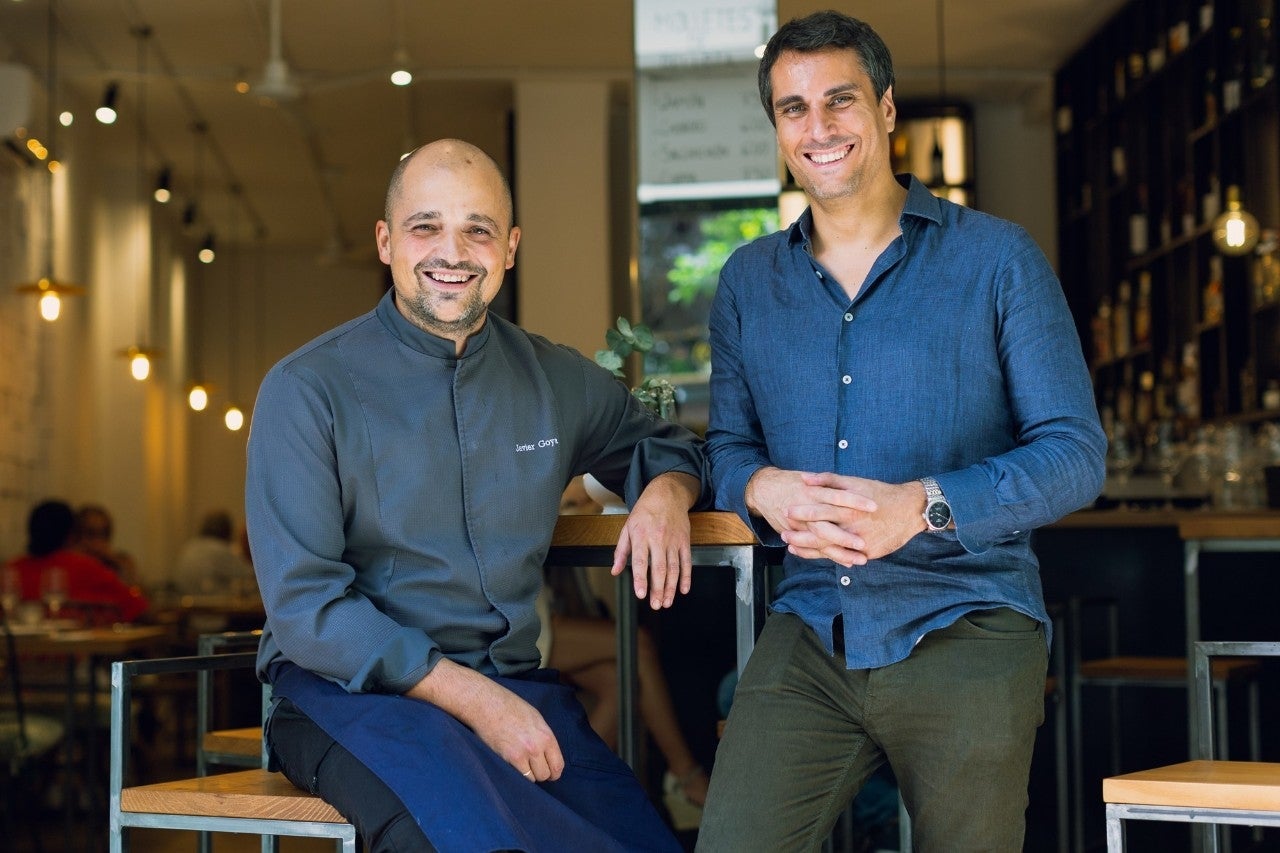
{"x": 844, "y": 580}
{"x": 846, "y": 379}
{"x": 842, "y": 444}
{"x": 848, "y": 318}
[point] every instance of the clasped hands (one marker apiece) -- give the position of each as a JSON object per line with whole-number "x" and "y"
{"x": 848, "y": 520}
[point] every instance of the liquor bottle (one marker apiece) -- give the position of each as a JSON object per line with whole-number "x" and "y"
{"x": 1101, "y": 328}
{"x": 1211, "y": 201}
{"x": 1211, "y": 300}
{"x": 1179, "y": 30}
{"x": 1187, "y": 200}
{"x": 1142, "y": 310}
{"x": 1120, "y": 320}
{"x": 1210, "y": 96}
{"x": 1233, "y": 85}
{"x": 1138, "y": 223}
{"x": 1063, "y": 117}
{"x": 1188, "y": 383}
{"x": 1262, "y": 65}
{"x": 1118, "y": 80}
{"x": 1157, "y": 52}
{"x": 1206, "y": 16}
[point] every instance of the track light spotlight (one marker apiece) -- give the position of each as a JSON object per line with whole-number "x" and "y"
{"x": 164, "y": 186}
{"x": 106, "y": 113}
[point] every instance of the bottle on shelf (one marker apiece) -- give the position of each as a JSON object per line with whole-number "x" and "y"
{"x": 1138, "y": 222}
{"x": 1118, "y": 77}
{"x": 1233, "y": 83}
{"x": 1212, "y": 301}
{"x": 1271, "y": 396}
{"x": 1142, "y": 310}
{"x": 1206, "y": 16}
{"x": 1210, "y": 96}
{"x": 1158, "y": 51}
{"x": 1187, "y": 203}
{"x": 1262, "y": 64}
{"x": 1179, "y": 30}
{"x": 1063, "y": 116}
{"x": 1101, "y": 328}
{"x": 1266, "y": 269}
{"x": 1248, "y": 386}
{"x": 1188, "y": 398}
{"x": 1211, "y": 201}
{"x": 1120, "y": 320}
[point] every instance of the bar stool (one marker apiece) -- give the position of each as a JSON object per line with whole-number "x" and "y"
{"x": 1116, "y": 671}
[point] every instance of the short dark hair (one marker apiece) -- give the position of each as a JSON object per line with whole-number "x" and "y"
{"x": 49, "y": 527}
{"x": 827, "y": 31}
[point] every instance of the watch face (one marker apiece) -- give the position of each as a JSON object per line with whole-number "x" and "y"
{"x": 938, "y": 514}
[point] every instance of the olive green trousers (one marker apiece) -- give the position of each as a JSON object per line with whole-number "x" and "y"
{"x": 956, "y": 721}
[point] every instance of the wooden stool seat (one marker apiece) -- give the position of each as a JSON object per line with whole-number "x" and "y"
{"x": 1251, "y": 785}
{"x": 245, "y": 742}
{"x": 1172, "y": 669}
{"x": 254, "y": 793}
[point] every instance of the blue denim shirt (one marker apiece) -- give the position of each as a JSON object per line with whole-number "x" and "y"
{"x": 957, "y": 359}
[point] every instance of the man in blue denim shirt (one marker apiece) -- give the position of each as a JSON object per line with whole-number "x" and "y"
{"x": 897, "y": 395}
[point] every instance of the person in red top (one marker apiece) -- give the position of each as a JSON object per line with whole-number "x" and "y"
{"x": 89, "y": 583}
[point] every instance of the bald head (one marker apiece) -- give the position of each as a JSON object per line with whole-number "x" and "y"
{"x": 450, "y": 154}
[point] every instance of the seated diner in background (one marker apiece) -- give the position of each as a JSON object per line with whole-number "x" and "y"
{"x": 93, "y": 534}
{"x": 71, "y": 583}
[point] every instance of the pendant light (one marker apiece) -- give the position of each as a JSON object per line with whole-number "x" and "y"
{"x": 48, "y": 288}
{"x": 1235, "y": 231}
{"x": 140, "y": 355}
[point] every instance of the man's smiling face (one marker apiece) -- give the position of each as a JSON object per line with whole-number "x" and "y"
{"x": 832, "y": 130}
{"x": 449, "y": 241}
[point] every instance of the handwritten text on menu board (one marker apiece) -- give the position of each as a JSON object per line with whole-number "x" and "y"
{"x": 704, "y": 125}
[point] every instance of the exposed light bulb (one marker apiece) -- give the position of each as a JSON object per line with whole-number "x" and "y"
{"x": 50, "y": 306}
{"x": 66, "y": 118}
{"x": 198, "y": 398}
{"x": 401, "y": 77}
{"x": 1235, "y": 232}
{"x": 140, "y": 366}
{"x": 107, "y": 112}
{"x": 234, "y": 418}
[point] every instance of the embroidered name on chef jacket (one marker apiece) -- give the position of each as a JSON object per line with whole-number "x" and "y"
{"x": 541, "y": 445}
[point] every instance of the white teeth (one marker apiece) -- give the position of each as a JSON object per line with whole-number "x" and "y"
{"x": 823, "y": 159}
{"x": 450, "y": 278}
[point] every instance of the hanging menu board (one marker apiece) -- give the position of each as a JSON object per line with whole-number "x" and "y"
{"x": 703, "y": 134}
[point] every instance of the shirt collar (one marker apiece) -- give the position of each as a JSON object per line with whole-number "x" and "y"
{"x": 921, "y": 204}
{"x": 424, "y": 342}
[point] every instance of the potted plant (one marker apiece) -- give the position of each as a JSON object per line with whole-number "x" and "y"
{"x": 657, "y": 394}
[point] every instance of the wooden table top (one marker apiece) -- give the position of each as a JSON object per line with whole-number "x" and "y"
{"x": 705, "y": 528}
{"x": 1190, "y": 523}
{"x": 114, "y": 640}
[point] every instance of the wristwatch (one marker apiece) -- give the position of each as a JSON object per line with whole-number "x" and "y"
{"x": 937, "y": 512}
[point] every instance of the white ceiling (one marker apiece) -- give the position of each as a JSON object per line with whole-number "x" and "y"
{"x": 312, "y": 173}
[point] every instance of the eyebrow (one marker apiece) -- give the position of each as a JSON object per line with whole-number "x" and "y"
{"x": 788, "y": 100}
{"x": 479, "y": 218}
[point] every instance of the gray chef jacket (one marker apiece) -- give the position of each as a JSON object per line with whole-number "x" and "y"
{"x": 400, "y": 500}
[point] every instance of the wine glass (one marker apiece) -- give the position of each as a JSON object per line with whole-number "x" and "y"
{"x": 1168, "y": 457}
{"x": 1122, "y": 458}
{"x": 53, "y": 589}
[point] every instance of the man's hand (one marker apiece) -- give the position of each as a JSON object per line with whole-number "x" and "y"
{"x": 830, "y": 523}
{"x": 656, "y": 539}
{"x": 772, "y": 493}
{"x": 506, "y": 723}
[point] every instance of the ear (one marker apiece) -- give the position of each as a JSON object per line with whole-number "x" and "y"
{"x": 513, "y": 240}
{"x": 382, "y": 234}
{"x": 890, "y": 109}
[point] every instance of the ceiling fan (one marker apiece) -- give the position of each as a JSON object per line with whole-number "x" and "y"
{"x": 281, "y": 84}
{"x": 277, "y": 83}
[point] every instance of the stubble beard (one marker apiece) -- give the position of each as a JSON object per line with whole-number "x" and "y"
{"x": 425, "y": 306}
